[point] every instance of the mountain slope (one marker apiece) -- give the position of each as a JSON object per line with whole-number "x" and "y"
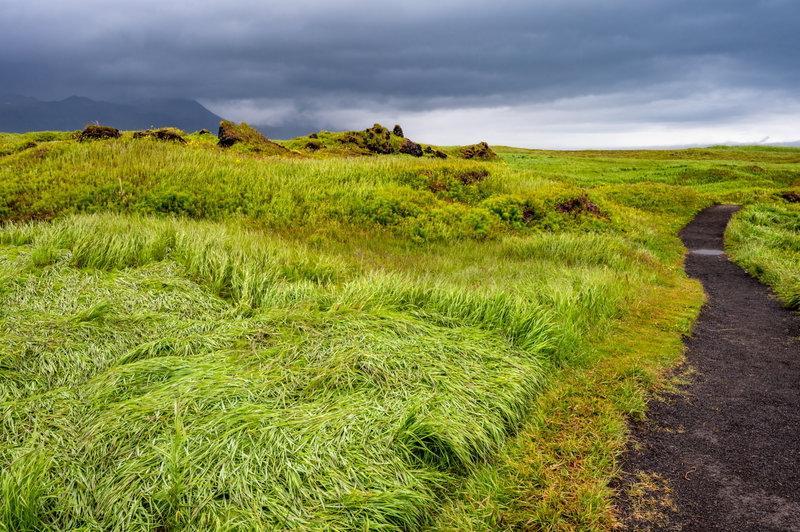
{"x": 19, "y": 114}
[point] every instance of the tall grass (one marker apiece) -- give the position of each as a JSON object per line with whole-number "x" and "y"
{"x": 764, "y": 239}
{"x": 420, "y": 199}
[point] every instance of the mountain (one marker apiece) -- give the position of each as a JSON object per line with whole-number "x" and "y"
{"x": 288, "y": 131}
{"x": 19, "y": 114}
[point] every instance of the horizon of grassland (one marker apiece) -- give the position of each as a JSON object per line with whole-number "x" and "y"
{"x": 199, "y": 338}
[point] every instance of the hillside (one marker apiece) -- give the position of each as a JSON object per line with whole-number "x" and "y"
{"x": 195, "y": 336}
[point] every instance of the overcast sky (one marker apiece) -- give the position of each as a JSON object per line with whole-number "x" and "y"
{"x": 560, "y": 73}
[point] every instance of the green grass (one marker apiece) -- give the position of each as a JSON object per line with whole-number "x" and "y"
{"x": 196, "y": 338}
{"x": 738, "y": 174}
{"x": 764, "y": 238}
{"x": 419, "y": 199}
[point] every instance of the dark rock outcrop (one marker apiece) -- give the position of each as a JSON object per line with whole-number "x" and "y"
{"x": 411, "y": 148}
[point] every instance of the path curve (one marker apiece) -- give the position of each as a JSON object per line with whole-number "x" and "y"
{"x": 728, "y": 447}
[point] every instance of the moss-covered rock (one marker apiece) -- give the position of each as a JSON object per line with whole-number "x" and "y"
{"x": 377, "y": 139}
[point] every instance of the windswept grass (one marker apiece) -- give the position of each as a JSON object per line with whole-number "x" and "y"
{"x": 764, "y": 239}
{"x": 200, "y": 374}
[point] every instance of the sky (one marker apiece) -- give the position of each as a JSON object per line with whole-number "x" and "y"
{"x": 538, "y": 74}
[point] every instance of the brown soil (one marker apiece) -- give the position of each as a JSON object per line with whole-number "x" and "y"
{"x": 724, "y": 453}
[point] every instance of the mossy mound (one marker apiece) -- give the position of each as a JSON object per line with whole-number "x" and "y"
{"x": 379, "y": 140}
{"x": 164, "y": 133}
{"x": 246, "y": 139}
{"x": 478, "y": 151}
{"x": 96, "y": 132}
{"x": 376, "y": 140}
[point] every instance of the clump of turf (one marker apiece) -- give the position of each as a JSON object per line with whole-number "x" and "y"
{"x": 246, "y": 139}
{"x": 791, "y": 196}
{"x": 164, "y": 133}
{"x": 578, "y": 205}
{"x": 95, "y": 132}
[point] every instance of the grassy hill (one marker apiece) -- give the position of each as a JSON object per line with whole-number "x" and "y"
{"x": 200, "y": 337}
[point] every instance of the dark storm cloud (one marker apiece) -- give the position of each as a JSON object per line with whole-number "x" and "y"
{"x": 408, "y": 55}
{"x": 464, "y": 51}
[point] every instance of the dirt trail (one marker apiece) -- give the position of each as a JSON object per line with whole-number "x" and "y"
{"x": 728, "y": 447}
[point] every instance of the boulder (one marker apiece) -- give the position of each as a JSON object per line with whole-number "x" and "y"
{"x": 398, "y": 131}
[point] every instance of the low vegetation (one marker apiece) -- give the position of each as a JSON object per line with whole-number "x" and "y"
{"x": 195, "y": 336}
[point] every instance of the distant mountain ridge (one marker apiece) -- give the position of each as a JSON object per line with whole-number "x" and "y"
{"x": 19, "y": 114}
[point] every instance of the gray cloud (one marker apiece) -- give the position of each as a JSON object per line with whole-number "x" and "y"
{"x": 408, "y": 57}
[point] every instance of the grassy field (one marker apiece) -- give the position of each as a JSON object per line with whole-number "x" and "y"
{"x": 194, "y": 338}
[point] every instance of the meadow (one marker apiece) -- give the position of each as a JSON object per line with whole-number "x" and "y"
{"x": 198, "y": 338}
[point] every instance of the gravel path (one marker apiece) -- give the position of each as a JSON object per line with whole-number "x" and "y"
{"x": 727, "y": 449}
